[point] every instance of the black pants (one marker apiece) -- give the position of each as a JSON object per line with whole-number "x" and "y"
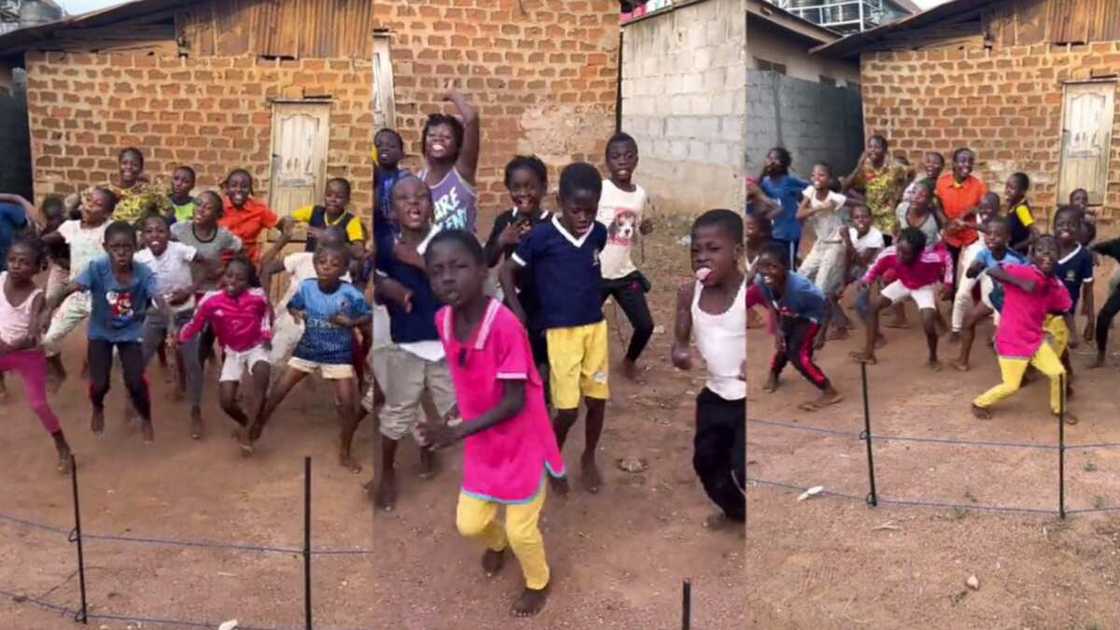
{"x": 799, "y": 335}
{"x": 100, "y": 355}
{"x": 720, "y": 451}
{"x": 629, "y": 292}
{"x": 1104, "y": 320}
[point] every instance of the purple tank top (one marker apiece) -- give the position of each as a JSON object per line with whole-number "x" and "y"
{"x": 455, "y": 202}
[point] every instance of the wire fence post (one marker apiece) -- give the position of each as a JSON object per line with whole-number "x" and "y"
{"x": 76, "y": 537}
{"x": 307, "y": 540}
{"x": 872, "y": 498}
{"x": 1062, "y": 448}
{"x": 686, "y": 605}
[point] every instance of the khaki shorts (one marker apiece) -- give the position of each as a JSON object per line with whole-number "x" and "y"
{"x": 406, "y": 378}
{"x": 329, "y": 371}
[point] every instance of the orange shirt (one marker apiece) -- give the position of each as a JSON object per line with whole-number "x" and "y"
{"x": 248, "y": 223}
{"x": 956, "y": 199}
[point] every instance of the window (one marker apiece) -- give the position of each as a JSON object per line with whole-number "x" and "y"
{"x": 770, "y": 66}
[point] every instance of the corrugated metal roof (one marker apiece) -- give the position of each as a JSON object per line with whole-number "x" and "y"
{"x": 853, "y": 44}
{"x": 17, "y": 41}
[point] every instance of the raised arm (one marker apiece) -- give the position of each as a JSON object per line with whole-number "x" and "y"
{"x": 467, "y": 164}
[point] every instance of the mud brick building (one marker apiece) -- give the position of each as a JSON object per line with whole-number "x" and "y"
{"x": 286, "y": 88}
{"x": 1029, "y": 84}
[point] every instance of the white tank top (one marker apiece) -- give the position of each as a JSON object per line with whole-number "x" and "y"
{"x": 722, "y": 341}
{"x": 15, "y": 319}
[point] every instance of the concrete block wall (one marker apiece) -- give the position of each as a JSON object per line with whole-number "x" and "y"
{"x": 684, "y": 100}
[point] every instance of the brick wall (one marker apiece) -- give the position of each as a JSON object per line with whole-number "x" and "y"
{"x": 1005, "y": 104}
{"x": 684, "y": 100}
{"x": 213, "y": 113}
{"x": 544, "y": 79}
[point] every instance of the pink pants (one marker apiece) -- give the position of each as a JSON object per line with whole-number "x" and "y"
{"x": 31, "y": 365}
{"x": 755, "y": 297}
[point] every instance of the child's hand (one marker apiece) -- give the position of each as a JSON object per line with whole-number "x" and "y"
{"x": 511, "y": 235}
{"x": 297, "y": 317}
{"x": 646, "y": 227}
{"x": 395, "y": 291}
{"x": 946, "y": 293}
{"x": 343, "y": 320}
{"x": 681, "y": 357}
{"x": 1090, "y": 330}
{"x": 178, "y": 296}
{"x": 439, "y": 435}
{"x": 559, "y": 485}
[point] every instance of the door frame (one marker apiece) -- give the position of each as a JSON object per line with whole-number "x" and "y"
{"x": 1063, "y": 132}
{"x": 272, "y": 155}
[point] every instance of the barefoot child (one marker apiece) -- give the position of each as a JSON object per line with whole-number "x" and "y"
{"x": 330, "y": 310}
{"x": 240, "y": 317}
{"x": 563, "y": 258}
{"x": 802, "y": 312}
{"x": 248, "y": 218}
{"x": 862, "y": 247}
{"x": 1031, "y": 292}
{"x": 389, "y": 151}
{"x": 510, "y": 447}
{"x": 21, "y": 312}
{"x": 1110, "y": 248}
{"x": 821, "y": 210}
{"x": 332, "y": 214}
{"x": 624, "y": 210}
{"x": 757, "y": 230}
{"x": 182, "y": 203}
{"x": 1075, "y": 269}
{"x": 119, "y": 290}
{"x": 918, "y": 270}
{"x": 714, "y": 308}
{"x": 1023, "y": 228}
{"x": 964, "y": 300}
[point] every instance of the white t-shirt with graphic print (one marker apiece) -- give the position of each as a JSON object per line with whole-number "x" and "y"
{"x": 621, "y": 213}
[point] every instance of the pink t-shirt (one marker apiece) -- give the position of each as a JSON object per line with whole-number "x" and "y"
{"x": 1020, "y": 331}
{"x": 507, "y": 462}
{"x": 240, "y": 323}
{"x": 933, "y": 265}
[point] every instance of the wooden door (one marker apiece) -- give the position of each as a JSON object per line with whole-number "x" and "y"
{"x": 384, "y": 105}
{"x": 1086, "y": 139}
{"x": 300, "y": 137}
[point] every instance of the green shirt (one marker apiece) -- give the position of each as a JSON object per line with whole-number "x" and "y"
{"x": 184, "y": 212}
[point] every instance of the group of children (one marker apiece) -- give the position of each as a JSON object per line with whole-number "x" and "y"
{"x": 949, "y": 239}
{"x": 454, "y": 355}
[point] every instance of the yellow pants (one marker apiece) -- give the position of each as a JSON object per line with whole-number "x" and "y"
{"x": 477, "y": 519}
{"x": 1012, "y": 370}
{"x": 1057, "y": 333}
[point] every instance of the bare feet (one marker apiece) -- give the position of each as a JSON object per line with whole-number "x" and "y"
{"x": 196, "y": 423}
{"x": 493, "y": 561}
{"x": 771, "y": 385}
{"x": 955, "y": 336}
{"x": 1099, "y": 362}
{"x": 385, "y": 497}
{"x": 97, "y": 422}
{"x": 530, "y": 603}
{"x": 880, "y": 341}
{"x": 837, "y": 334}
{"x": 960, "y": 365}
{"x": 147, "y": 430}
{"x": 592, "y": 478}
{"x": 63, "y": 466}
{"x": 1070, "y": 419}
{"x": 348, "y": 462}
{"x": 981, "y": 413}
{"x": 241, "y": 434}
{"x": 864, "y": 357}
{"x": 630, "y": 370}
{"x": 719, "y": 522}
{"x": 559, "y": 485}
{"x": 934, "y": 365}
{"x": 428, "y": 463}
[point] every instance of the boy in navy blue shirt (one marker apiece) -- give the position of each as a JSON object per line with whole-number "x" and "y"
{"x": 562, "y": 256}
{"x": 415, "y": 361}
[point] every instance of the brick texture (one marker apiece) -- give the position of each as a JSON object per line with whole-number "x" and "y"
{"x": 1006, "y": 104}
{"x": 543, "y": 75}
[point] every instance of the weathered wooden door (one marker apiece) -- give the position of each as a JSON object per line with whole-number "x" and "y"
{"x": 384, "y": 106}
{"x": 1086, "y": 139}
{"x": 300, "y": 137}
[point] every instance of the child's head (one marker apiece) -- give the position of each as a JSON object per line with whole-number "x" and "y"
{"x": 773, "y": 265}
{"x": 240, "y": 274}
{"x": 861, "y": 218}
{"x": 334, "y": 235}
{"x": 758, "y": 228}
{"x": 443, "y": 138}
{"x": 1016, "y": 187}
{"x": 1044, "y": 254}
{"x": 934, "y": 163}
{"x": 53, "y": 209}
{"x": 963, "y": 161}
{"x": 131, "y": 164}
{"x": 877, "y": 148}
{"x": 717, "y": 245}
{"x": 997, "y": 234}
{"x": 1079, "y": 198}
{"x": 25, "y": 258}
{"x": 120, "y": 244}
{"x": 182, "y": 181}
{"x": 209, "y": 209}
{"x": 336, "y": 196}
{"x": 580, "y": 189}
{"x": 1067, "y": 225}
{"x": 390, "y": 148}
{"x": 156, "y": 233}
{"x": 622, "y": 157}
{"x": 911, "y": 242}
{"x": 778, "y": 160}
{"x": 239, "y": 187}
{"x": 989, "y": 207}
{"x": 331, "y": 262}
{"x": 527, "y": 182}
{"x": 923, "y": 194}
{"x": 456, "y": 268}
{"x": 821, "y": 176}
{"x": 412, "y": 203}
{"x": 102, "y": 202}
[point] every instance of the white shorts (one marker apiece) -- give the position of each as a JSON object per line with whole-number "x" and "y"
{"x": 924, "y": 297}
{"x": 286, "y": 334}
{"x": 329, "y": 371}
{"x": 237, "y": 363}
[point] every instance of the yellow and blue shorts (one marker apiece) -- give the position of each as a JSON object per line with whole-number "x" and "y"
{"x": 578, "y": 361}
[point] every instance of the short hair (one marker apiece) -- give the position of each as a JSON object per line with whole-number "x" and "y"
{"x": 463, "y": 239}
{"x": 1021, "y": 180}
{"x": 961, "y": 150}
{"x": 239, "y": 171}
{"x": 155, "y": 216}
{"x": 53, "y": 202}
{"x": 131, "y": 151}
{"x": 1078, "y": 190}
{"x": 992, "y": 198}
{"x": 927, "y": 183}
{"x": 529, "y": 163}
{"x": 215, "y": 199}
{"x": 859, "y": 206}
{"x": 727, "y": 221}
{"x": 33, "y": 243}
{"x": 391, "y": 132}
{"x": 784, "y": 158}
{"x": 434, "y": 120}
{"x": 777, "y": 251}
{"x": 123, "y": 228}
{"x": 937, "y": 154}
{"x": 243, "y": 261}
{"x": 763, "y": 221}
{"x": 1066, "y": 209}
{"x": 336, "y": 233}
{"x": 184, "y": 167}
{"x": 620, "y": 136}
{"x": 408, "y": 178}
{"x": 1000, "y": 220}
{"x": 110, "y": 195}
{"x": 881, "y": 138}
{"x": 333, "y": 248}
{"x": 915, "y": 237}
{"x": 825, "y": 165}
{"x": 1045, "y": 238}
{"x": 345, "y": 183}
{"x": 580, "y": 176}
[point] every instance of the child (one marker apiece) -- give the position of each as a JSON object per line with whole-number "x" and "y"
{"x": 510, "y": 446}
{"x": 248, "y": 218}
{"x": 332, "y": 213}
{"x": 1031, "y": 291}
{"x": 451, "y": 161}
{"x": 964, "y": 300}
{"x": 862, "y": 247}
{"x": 821, "y": 210}
{"x": 933, "y": 163}
{"x": 1023, "y": 229}
{"x": 21, "y": 311}
{"x": 85, "y": 238}
{"x": 1111, "y": 306}
{"x": 182, "y": 203}
{"x": 920, "y": 213}
{"x": 240, "y": 316}
{"x": 1079, "y": 199}
{"x": 918, "y": 270}
{"x": 713, "y": 306}
{"x": 415, "y": 363}
{"x": 1075, "y": 269}
{"x": 802, "y": 312}
{"x": 623, "y": 207}
{"x": 562, "y": 256}
{"x": 389, "y": 151}
{"x": 778, "y": 184}
{"x": 757, "y": 230}
{"x": 995, "y": 253}
{"x": 329, "y": 310}
{"x": 14, "y": 214}
{"x": 119, "y": 290}
{"x": 175, "y": 266}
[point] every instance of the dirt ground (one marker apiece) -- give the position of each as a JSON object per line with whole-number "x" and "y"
{"x": 618, "y": 558}
{"x": 832, "y": 562}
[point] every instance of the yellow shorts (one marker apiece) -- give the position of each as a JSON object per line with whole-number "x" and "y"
{"x": 1057, "y": 333}
{"x": 577, "y": 363}
{"x": 330, "y": 371}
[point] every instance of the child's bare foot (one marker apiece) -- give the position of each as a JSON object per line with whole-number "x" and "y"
{"x": 255, "y": 431}
{"x": 981, "y": 412}
{"x": 196, "y": 423}
{"x": 960, "y": 365}
{"x": 837, "y": 334}
{"x": 1070, "y": 418}
{"x": 719, "y": 522}
{"x": 592, "y": 478}
{"x": 559, "y": 485}
{"x": 428, "y": 463}
{"x": 771, "y": 385}
{"x": 530, "y": 603}
{"x": 955, "y": 336}
{"x": 864, "y": 357}
{"x": 97, "y": 422}
{"x": 630, "y": 370}
{"x": 1099, "y": 362}
{"x": 241, "y": 434}
{"x": 148, "y": 431}
{"x": 493, "y": 561}
{"x": 934, "y": 365}
{"x": 348, "y": 462}
{"x": 63, "y": 466}
{"x": 385, "y": 497}
{"x": 880, "y": 341}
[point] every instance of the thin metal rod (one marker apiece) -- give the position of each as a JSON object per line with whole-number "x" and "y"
{"x": 81, "y": 616}
{"x": 307, "y": 539}
{"x": 872, "y": 498}
{"x": 1062, "y": 448}
{"x": 686, "y": 605}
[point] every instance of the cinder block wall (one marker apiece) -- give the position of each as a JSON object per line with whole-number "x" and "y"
{"x": 684, "y": 100}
